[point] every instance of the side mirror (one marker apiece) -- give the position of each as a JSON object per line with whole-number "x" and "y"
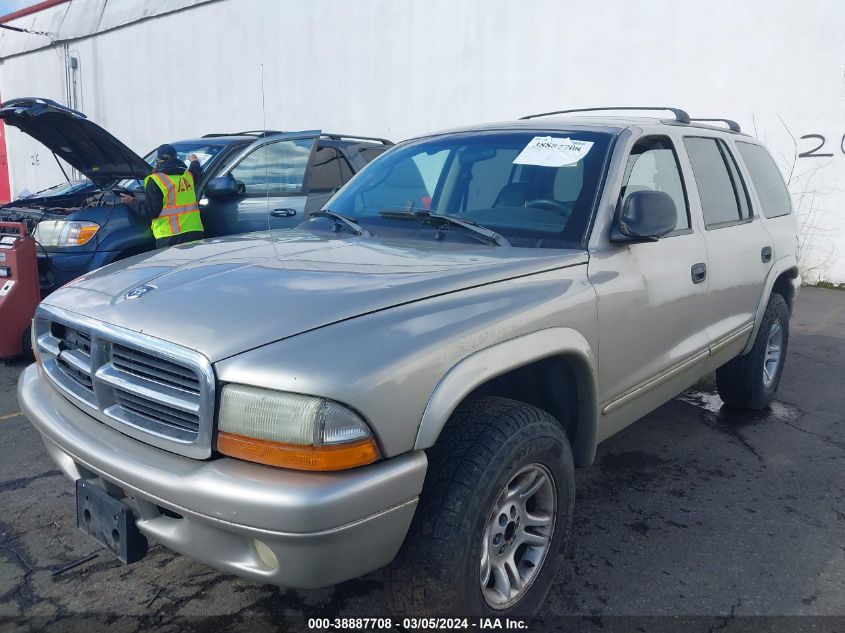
{"x": 646, "y": 217}
{"x": 223, "y": 187}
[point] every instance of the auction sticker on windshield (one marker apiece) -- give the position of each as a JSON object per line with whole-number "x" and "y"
{"x": 546, "y": 151}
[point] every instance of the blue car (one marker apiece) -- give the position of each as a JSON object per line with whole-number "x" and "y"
{"x": 254, "y": 180}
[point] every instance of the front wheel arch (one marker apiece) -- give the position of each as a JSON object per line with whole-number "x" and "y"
{"x": 485, "y": 365}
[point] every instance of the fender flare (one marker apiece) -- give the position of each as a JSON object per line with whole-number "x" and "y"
{"x": 777, "y": 269}
{"x": 490, "y": 362}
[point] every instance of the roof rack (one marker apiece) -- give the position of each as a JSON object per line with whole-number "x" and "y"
{"x": 257, "y": 133}
{"x": 338, "y": 137}
{"x": 680, "y": 115}
{"x": 733, "y": 126}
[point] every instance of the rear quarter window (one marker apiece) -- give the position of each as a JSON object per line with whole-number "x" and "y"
{"x": 766, "y": 179}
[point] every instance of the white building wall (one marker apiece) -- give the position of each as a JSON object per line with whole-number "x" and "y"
{"x": 399, "y": 69}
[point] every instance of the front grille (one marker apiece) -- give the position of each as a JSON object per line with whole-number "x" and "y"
{"x": 162, "y": 371}
{"x": 154, "y": 391}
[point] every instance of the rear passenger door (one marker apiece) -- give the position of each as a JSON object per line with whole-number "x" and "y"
{"x": 739, "y": 248}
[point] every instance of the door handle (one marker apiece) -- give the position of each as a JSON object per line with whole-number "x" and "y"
{"x": 766, "y": 254}
{"x": 698, "y": 272}
{"x": 283, "y": 213}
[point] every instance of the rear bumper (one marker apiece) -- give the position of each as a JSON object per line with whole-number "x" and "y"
{"x": 289, "y": 528}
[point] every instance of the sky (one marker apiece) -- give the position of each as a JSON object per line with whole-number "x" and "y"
{"x": 7, "y": 6}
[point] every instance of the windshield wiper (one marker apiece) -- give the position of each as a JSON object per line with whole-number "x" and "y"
{"x": 440, "y": 220}
{"x": 341, "y": 220}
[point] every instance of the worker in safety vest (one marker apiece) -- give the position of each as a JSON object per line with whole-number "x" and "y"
{"x": 171, "y": 200}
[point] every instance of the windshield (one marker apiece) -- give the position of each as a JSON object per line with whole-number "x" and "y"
{"x": 204, "y": 151}
{"x": 536, "y": 189}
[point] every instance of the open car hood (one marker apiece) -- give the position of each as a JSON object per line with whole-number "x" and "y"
{"x": 71, "y": 136}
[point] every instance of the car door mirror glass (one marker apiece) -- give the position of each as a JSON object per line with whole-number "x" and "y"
{"x": 223, "y": 188}
{"x": 646, "y": 216}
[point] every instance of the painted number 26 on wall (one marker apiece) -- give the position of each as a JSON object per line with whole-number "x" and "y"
{"x": 818, "y": 149}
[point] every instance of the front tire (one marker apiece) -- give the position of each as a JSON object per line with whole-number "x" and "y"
{"x": 751, "y": 381}
{"x": 495, "y": 511}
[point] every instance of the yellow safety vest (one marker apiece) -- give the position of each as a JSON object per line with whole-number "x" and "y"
{"x": 179, "y": 211}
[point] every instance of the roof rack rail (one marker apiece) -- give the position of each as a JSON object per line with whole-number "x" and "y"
{"x": 258, "y": 133}
{"x": 680, "y": 115}
{"x": 338, "y": 137}
{"x": 733, "y": 126}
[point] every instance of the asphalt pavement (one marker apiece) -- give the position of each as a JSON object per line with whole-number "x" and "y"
{"x": 695, "y": 510}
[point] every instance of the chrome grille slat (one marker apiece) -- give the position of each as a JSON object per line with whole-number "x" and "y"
{"x": 164, "y": 396}
{"x": 154, "y": 391}
{"x": 165, "y": 414}
{"x": 70, "y": 370}
{"x": 78, "y": 361}
{"x": 159, "y": 370}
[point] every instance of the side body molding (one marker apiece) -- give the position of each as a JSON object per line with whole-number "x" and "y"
{"x": 488, "y": 363}
{"x": 778, "y": 268}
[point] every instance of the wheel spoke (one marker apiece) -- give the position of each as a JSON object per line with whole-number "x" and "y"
{"x": 501, "y": 582}
{"x": 537, "y": 482}
{"x": 516, "y": 581}
{"x": 534, "y": 540}
{"x": 537, "y": 519}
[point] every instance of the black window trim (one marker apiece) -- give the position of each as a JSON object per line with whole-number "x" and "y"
{"x": 726, "y": 154}
{"x": 687, "y": 231}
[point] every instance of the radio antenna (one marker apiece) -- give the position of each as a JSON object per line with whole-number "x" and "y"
{"x": 264, "y": 150}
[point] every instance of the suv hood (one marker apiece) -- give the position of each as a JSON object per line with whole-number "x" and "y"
{"x": 71, "y": 136}
{"x": 225, "y": 296}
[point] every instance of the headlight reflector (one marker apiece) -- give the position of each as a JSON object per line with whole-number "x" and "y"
{"x": 292, "y": 430}
{"x": 65, "y": 232}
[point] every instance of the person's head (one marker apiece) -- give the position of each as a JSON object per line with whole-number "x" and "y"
{"x": 164, "y": 154}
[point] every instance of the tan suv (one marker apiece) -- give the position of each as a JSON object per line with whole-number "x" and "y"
{"x": 411, "y": 376}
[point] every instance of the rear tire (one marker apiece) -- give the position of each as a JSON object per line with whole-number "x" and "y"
{"x": 751, "y": 381}
{"x": 495, "y": 511}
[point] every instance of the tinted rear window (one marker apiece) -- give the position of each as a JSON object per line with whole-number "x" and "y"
{"x": 767, "y": 180}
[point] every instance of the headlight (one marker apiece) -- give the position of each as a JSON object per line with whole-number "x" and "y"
{"x": 292, "y": 430}
{"x": 65, "y": 232}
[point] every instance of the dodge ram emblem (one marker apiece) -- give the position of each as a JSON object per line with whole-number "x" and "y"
{"x": 140, "y": 291}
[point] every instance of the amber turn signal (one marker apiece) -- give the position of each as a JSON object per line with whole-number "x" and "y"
{"x": 299, "y": 457}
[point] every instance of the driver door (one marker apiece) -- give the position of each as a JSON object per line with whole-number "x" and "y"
{"x": 652, "y": 307}
{"x": 273, "y": 179}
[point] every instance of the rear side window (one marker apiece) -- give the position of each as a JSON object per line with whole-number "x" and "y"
{"x": 724, "y": 199}
{"x": 330, "y": 170}
{"x": 767, "y": 180}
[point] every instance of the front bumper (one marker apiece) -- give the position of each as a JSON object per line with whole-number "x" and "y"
{"x": 295, "y": 529}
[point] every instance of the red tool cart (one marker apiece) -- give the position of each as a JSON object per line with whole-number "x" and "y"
{"x": 19, "y": 289}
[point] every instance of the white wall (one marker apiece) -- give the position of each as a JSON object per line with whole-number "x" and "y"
{"x": 399, "y": 69}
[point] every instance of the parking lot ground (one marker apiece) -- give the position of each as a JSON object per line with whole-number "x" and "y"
{"x": 695, "y": 510}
